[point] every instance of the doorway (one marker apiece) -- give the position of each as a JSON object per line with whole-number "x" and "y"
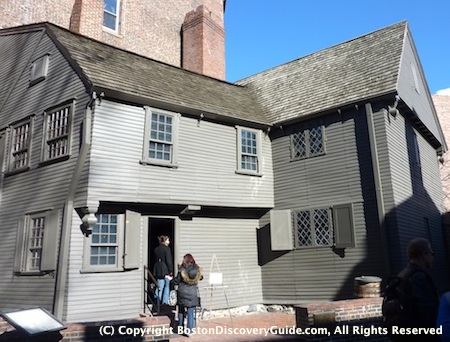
{"x": 157, "y": 227}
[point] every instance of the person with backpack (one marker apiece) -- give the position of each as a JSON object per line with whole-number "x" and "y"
{"x": 189, "y": 274}
{"x": 418, "y": 301}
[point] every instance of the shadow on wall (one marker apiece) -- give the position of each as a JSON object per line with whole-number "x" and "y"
{"x": 417, "y": 216}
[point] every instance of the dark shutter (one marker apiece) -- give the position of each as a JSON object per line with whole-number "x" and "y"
{"x": 344, "y": 232}
{"x": 50, "y": 243}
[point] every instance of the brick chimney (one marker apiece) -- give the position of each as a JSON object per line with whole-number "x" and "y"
{"x": 87, "y": 17}
{"x": 203, "y": 40}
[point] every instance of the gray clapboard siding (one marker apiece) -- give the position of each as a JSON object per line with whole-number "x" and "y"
{"x": 233, "y": 241}
{"x": 419, "y": 100}
{"x": 40, "y": 188}
{"x": 417, "y": 193}
{"x": 341, "y": 176}
{"x": 96, "y": 296}
{"x": 206, "y": 163}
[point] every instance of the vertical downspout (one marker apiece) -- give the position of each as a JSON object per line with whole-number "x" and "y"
{"x": 378, "y": 188}
{"x": 64, "y": 244}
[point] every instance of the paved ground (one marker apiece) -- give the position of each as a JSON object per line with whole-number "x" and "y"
{"x": 247, "y": 327}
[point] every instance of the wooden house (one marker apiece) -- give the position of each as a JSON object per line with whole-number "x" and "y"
{"x": 296, "y": 180}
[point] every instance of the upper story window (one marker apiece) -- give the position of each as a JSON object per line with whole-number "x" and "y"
{"x": 308, "y": 143}
{"x": 39, "y": 69}
{"x": 160, "y": 144}
{"x": 248, "y": 150}
{"x": 20, "y": 146}
{"x": 111, "y": 14}
{"x": 57, "y": 131}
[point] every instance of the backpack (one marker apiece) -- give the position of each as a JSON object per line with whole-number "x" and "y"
{"x": 397, "y": 303}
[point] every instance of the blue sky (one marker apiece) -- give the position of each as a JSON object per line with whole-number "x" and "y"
{"x": 261, "y": 34}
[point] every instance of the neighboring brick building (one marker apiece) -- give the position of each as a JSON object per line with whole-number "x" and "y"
{"x": 155, "y": 29}
{"x": 442, "y": 104}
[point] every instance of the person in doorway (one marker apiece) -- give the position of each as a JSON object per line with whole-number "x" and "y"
{"x": 421, "y": 292}
{"x": 163, "y": 269}
{"x": 189, "y": 274}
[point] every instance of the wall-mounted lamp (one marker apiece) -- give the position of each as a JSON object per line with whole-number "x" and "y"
{"x": 393, "y": 109}
{"x": 190, "y": 210}
{"x": 89, "y": 221}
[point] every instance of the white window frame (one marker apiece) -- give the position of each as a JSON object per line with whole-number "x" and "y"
{"x": 239, "y": 153}
{"x": 307, "y": 141}
{"x": 116, "y": 15}
{"x": 49, "y": 138}
{"x": 21, "y": 146}
{"x": 172, "y": 144}
{"x": 118, "y": 245}
{"x": 127, "y": 244}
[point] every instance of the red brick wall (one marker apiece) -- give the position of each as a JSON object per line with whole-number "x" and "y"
{"x": 204, "y": 43}
{"x": 151, "y": 28}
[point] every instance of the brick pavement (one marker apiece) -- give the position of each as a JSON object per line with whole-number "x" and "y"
{"x": 243, "y": 328}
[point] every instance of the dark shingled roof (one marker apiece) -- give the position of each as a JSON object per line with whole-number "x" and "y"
{"x": 359, "y": 69}
{"x": 124, "y": 72}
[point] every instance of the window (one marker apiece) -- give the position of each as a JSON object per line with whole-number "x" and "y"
{"x": 308, "y": 143}
{"x": 39, "y": 69}
{"x": 57, "y": 132}
{"x": 111, "y": 14}
{"x": 249, "y": 150}
{"x": 104, "y": 244}
{"x": 20, "y": 146}
{"x": 37, "y": 243}
{"x": 160, "y": 144}
{"x": 415, "y": 78}
{"x": 114, "y": 243}
{"x": 314, "y": 227}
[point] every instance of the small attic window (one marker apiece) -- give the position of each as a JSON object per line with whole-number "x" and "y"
{"x": 416, "y": 79}
{"x": 39, "y": 69}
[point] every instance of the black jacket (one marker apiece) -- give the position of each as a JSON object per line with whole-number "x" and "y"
{"x": 187, "y": 280}
{"x": 163, "y": 262}
{"x": 423, "y": 302}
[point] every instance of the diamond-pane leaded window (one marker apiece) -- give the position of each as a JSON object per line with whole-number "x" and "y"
{"x": 303, "y": 225}
{"x": 322, "y": 227}
{"x": 57, "y": 130}
{"x": 299, "y": 145}
{"x": 104, "y": 241}
{"x": 313, "y": 227}
{"x": 20, "y": 146}
{"x": 308, "y": 143}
